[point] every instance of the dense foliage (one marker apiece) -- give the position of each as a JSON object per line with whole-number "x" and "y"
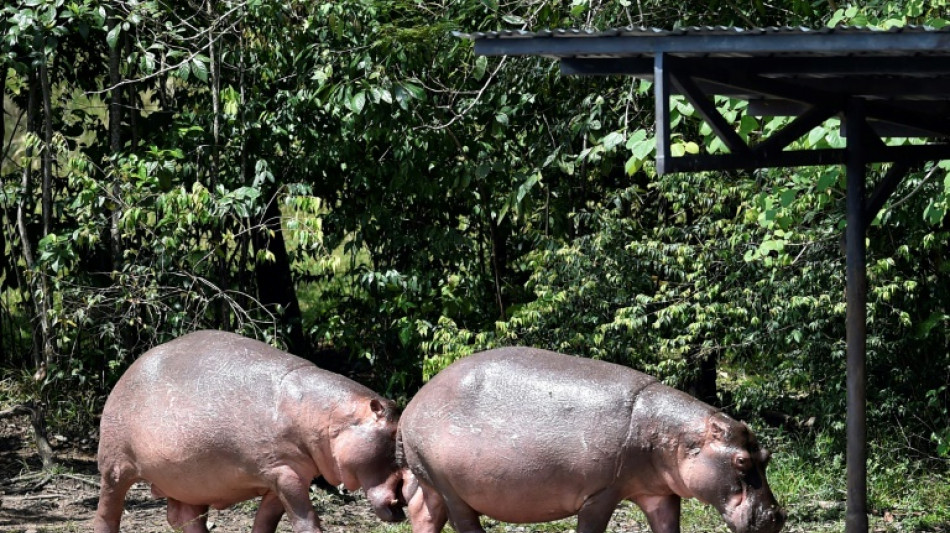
{"x": 347, "y": 180}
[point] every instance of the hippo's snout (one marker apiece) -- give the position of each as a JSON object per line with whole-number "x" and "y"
{"x": 386, "y": 504}
{"x": 769, "y": 519}
{"x": 393, "y": 512}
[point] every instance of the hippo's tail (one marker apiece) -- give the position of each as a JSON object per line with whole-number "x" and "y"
{"x": 400, "y": 453}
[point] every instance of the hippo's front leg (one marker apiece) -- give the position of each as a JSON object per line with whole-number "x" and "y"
{"x": 595, "y": 514}
{"x": 662, "y": 512}
{"x": 294, "y": 494}
{"x": 268, "y": 514}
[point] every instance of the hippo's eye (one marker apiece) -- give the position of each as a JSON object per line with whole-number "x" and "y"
{"x": 742, "y": 461}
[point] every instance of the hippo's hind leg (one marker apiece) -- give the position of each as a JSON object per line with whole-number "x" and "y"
{"x": 268, "y": 514}
{"x": 116, "y": 482}
{"x": 187, "y": 518}
{"x": 463, "y": 518}
{"x": 427, "y": 512}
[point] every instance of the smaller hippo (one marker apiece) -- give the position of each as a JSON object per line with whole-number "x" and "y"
{"x": 527, "y": 435}
{"x": 213, "y": 418}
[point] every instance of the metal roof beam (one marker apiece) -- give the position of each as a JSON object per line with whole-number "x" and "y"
{"x": 906, "y": 154}
{"x": 705, "y": 106}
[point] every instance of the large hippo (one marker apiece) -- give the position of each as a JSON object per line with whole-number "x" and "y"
{"x": 528, "y": 435}
{"x": 213, "y": 418}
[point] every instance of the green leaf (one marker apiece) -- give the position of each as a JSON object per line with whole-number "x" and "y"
{"x": 788, "y": 196}
{"x": 512, "y": 19}
{"x": 611, "y": 140}
{"x": 200, "y": 69}
{"x": 357, "y": 102}
{"x": 481, "y": 65}
{"x": 632, "y": 165}
{"x": 112, "y": 38}
{"x": 827, "y": 179}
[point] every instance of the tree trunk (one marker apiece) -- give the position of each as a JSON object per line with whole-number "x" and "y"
{"x": 40, "y": 325}
{"x": 37, "y": 420}
{"x": 47, "y": 150}
{"x": 35, "y": 282}
{"x": 132, "y": 91}
{"x": 115, "y": 146}
{"x": 703, "y": 385}
{"x": 224, "y": 310}
{"x": 497, "y": 264}
{"x": 275, "y": 284}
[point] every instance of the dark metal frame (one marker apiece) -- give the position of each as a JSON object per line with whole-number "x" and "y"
{"x": 893, "y": 83}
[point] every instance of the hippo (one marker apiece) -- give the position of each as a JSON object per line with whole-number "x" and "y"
{"x": 528, "y": 435}
{"x": 213, "y": 418}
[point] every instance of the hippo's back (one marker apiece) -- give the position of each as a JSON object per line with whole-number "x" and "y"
{"x": 209, "y": 392}
{"x": 521, "y": 415}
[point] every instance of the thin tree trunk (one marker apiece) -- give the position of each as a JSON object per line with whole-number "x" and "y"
{"x": 35, "y": 282}
{"x": 497, "y": 264}
{"x": 47, "y": 150}
{"x": 26, "y": 242}
{"x": 38, "y": 422}
{"x": 115, "y": 146}
{"x": 132, "y": 88}
{"x": 215, "y": 100}
{"x": 213, "y": 68}
{"x": 275, "y": 284}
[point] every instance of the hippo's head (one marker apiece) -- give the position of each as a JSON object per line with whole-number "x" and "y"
{"x": 726, "y": 469}
{"x": 365, "y": 455}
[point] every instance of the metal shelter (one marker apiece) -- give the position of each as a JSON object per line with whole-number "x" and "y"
{"x": 882, "y": 84}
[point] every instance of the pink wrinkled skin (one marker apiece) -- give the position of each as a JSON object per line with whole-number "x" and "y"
{"x": 213, "y": 418}
{"x": 525, "y": 435}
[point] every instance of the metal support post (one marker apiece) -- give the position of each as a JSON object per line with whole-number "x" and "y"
{"x": 856, "y": 131}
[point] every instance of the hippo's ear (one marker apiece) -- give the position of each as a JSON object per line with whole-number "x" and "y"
{"x": 379, "y": 410}
{"x": 718, "y": 428}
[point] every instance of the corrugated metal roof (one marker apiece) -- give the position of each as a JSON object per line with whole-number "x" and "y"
{"x": 642, "y": 31}
{"x": 633, "y": 41}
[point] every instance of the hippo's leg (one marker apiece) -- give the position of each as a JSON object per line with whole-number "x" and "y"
{"x": 116, "y": 482}
{"x": 594, "y": 515}
{"x": 268, "y": 514}
{"x": 663, "y": 512}
{"x": 463, "y": 518}
{"x": 186, "y": 517}
{"x": 426, "y": 510}
{"x": 294, "y": 495}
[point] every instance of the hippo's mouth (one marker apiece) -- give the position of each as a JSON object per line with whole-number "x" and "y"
{"x": 749, "y": 518}
{"x": 390, "y": 513}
